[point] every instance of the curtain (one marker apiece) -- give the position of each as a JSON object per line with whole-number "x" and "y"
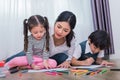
{"x": 12, "y": 13}
{"x": 102, "y": 20}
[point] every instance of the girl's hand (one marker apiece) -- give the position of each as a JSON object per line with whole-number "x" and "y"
{"x": 46, "y": 64}
{"x": 106, "y": 63}
{"x": 35, "y": 66}
{"x": 65, "y": 64}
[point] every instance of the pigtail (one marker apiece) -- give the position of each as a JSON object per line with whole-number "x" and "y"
{"x": 46, "y": 24}
{"x": 25, "y": 35}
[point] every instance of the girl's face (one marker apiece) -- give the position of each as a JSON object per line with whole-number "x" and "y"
{"x": 38, "y": 32}
{"x": 61, "y": 29}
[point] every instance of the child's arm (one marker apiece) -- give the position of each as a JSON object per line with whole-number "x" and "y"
{"x": 99, "y": 60}
{"x": 104, "y": 62}
{"x": 76, "y": 62}
{"x": 29, "y": 52}
{"x": 46, "y": 60}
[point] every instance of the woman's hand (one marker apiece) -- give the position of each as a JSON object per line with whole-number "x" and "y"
{"x": 65, "y": 64}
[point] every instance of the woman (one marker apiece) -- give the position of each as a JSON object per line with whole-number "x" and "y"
{"x": 62, "y": 42}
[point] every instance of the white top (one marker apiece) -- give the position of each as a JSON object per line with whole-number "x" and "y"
{"x": 78, "y": 51}
{"x": 62, "y": 48}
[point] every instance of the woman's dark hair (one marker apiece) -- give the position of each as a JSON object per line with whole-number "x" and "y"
{"x": 32, "y": 22}
{"x": 69, "y": 17}
{"x": 100, "y": 39}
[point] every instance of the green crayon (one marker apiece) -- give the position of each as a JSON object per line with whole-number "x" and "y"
{"x": 65, "y": 72}
{"x": 103, "y": 71}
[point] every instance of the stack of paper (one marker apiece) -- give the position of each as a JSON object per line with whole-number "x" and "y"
{"x": 44, "y": 70}
{"x": 88, "y": 67}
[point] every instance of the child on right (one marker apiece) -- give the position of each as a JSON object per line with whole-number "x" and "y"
{"x": 91, "y": 51}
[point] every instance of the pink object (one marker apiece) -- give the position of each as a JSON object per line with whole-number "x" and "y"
{"x": 53, "y": 73}
{"x": 2, "y": 63}
{"x": 22, "y": 61}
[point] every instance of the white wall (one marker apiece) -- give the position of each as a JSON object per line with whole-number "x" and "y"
{"x": 13, "y": 12}
{"x": 12, "y": 16}
{"x": 115, "y": 16}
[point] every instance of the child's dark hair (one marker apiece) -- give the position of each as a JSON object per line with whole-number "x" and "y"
{"x": 69, "y": 17}
{"x": 32, "y": 22}
{"x": 100, "y": 39}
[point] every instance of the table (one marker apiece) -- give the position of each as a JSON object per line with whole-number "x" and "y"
{"x": 110, "y": 75}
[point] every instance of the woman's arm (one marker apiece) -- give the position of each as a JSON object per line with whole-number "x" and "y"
{"x": 70, "y": 52}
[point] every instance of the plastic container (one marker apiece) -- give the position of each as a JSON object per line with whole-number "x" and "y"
{"x": 4, "y": 71}
{"x": 2, "y": 63}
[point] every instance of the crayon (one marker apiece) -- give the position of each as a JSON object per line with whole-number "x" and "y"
{"x": 78, "y": 70}
{"x": 97, "y": 71}
{"x": 53, "y": 73}
{"x": 114, "y": 69}
{"x": 103, "y": 71}
{"x": 92, "y": 73}
{"x": 88, "y": 73}
{"x": 65, "y": 72}
{"x": 80, "y": 73}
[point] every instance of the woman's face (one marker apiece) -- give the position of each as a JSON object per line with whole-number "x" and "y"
{"x": 61, "y": 29}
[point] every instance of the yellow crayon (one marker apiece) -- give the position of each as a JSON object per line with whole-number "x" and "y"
{"x": 79, "y": 70}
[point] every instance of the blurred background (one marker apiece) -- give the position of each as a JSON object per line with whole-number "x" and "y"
{"x": 13, "y": 12}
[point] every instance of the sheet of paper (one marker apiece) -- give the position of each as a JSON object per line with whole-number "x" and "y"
{"x": 44, "y": 70}
{"x": 88, "y": 67}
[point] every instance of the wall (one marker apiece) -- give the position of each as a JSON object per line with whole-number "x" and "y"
{"x": 13, "y": 12}
{"x": 115, "y": 17}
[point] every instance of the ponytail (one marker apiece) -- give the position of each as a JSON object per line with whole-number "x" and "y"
{"x": 25, "y": 34}
{"x": 69, "y": 38}
{"x": 46, "y": 24}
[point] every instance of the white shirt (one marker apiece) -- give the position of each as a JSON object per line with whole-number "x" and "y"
{"x": 78, "y": 51}
{"x": 62, "y": 48}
